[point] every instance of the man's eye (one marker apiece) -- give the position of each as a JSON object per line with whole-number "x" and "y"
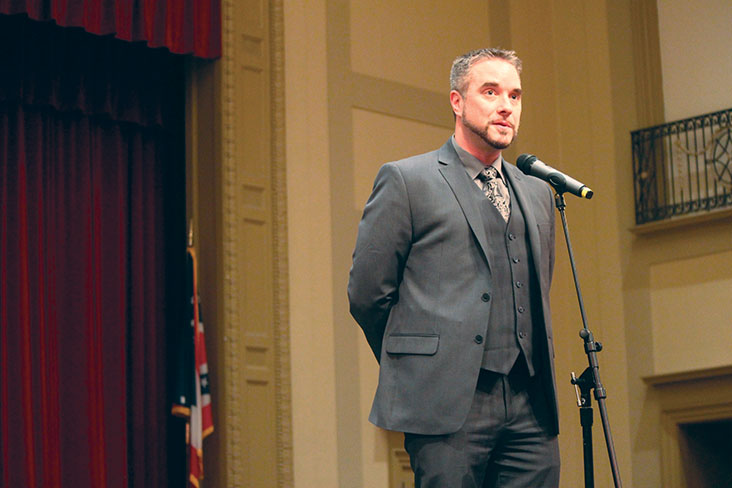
{"x": 490, "y": 92}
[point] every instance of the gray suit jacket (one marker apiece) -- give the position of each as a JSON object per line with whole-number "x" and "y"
{"x": 420, "y": 283}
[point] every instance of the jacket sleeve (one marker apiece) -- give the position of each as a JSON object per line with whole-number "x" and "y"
{"x": 382, "y": 247}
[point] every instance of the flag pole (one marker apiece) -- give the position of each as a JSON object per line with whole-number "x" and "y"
{"x": 189, "y": 459}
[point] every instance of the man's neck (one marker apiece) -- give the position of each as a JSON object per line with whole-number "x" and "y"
{"x": 476, "y": 146}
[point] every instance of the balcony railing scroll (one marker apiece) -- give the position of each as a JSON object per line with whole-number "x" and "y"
{"x": 683, "y": 167}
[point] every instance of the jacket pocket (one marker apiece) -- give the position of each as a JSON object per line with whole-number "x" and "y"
{"x": 425, "y": 344}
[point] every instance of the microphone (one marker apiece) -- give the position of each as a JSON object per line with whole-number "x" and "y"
{"x": 530, "y": 165}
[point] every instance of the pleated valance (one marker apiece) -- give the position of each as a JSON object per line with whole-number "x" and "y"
{"x": 181, "y": 26}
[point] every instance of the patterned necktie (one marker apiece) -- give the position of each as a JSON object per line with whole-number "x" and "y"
{"x": 495, "y": 190}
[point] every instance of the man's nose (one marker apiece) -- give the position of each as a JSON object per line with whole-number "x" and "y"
{"x": 504, "y": 104}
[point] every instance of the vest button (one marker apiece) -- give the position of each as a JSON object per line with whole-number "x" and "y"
{"x": 516, "y": 260}
{"x": 479, "y": 339}
{"x": 511, "y": 237}
{"x": 485, "y": 297}
{"x": 522, "y": 334}
{"x": 519, "y": 284}
{"x": 521, "y": 310}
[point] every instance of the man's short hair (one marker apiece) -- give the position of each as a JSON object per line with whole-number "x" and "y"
{"x": 462, "y": 64}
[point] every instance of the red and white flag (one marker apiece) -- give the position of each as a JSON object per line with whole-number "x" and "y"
{"x": 193, "y": 400}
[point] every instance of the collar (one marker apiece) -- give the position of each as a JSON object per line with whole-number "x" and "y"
{"x": 472, "y": 164}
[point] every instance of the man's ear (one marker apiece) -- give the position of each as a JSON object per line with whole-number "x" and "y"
{"x": 456, "y": 101}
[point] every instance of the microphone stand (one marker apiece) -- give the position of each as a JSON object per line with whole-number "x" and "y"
{"x": 590, "y": 378}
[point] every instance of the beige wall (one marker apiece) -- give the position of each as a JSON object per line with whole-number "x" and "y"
{"x": 676, "y": 280}
{"x": 696, "y": 55}
{"x": 310, "y": 235}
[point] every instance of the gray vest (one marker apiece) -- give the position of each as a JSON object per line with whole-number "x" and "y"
{"x": 510, "y": 328}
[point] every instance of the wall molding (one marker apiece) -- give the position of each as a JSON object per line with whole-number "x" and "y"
{"x": 687, "y": 398}
{"x": 647, "y": 61}
{"x": 253, "y": 276}
{"x": 283, "y": 389}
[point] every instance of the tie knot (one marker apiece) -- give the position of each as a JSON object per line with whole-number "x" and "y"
{"x": 489, "y": 173}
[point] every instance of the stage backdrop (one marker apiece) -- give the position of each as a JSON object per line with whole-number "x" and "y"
{"x": 92, "y": 249}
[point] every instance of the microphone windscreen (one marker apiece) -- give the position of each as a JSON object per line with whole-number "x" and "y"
{"x": 524, "y": 163}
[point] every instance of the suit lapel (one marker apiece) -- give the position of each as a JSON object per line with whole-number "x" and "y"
{"x": 454, "y": 173}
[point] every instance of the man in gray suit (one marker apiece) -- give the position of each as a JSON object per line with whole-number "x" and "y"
{"x": 450, "y": 284}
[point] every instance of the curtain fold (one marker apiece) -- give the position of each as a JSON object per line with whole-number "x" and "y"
{"x": 181, "y": 26}
{"x": 73, "y": 71}
{"x": 90, "y": 202}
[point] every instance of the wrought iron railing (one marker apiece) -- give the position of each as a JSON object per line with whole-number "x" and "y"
{"x": 683, "y": 167}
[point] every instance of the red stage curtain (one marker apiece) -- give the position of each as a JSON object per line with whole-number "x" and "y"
{"x": 90, "y": 182}
{"x": 182, "y": 26}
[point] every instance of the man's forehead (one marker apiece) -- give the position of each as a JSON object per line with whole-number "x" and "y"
{"x": 493, "y": 70}
{"x": 494, "y": 64}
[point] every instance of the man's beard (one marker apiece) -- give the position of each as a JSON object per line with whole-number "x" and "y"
{"x": 483, "y": 134}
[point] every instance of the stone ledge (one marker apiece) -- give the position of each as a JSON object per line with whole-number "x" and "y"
{"x": 688, "y": 376}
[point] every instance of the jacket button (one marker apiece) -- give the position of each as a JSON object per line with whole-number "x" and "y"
{"x": 479, "y": 339}
{"x": 521, "y": 309}
{"x": 522, "y": 334}
{"x": 485, "y": 297}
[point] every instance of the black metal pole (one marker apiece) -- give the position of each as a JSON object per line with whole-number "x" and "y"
{"x": 592, "y": 373}
{"x": 583, "y": 386}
